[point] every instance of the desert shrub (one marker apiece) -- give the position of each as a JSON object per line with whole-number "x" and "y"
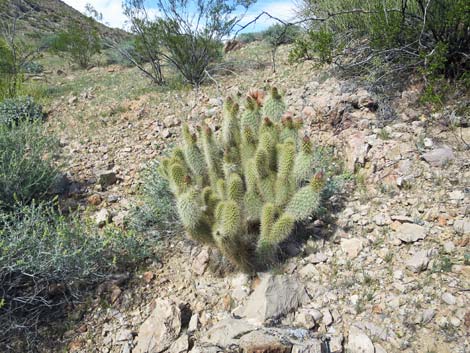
{"x": 78, "y": 42}
{"x": 279, "y": 34}
{"x": 114, "y": 55}
{"x": 32, "y": 67}
{"x": 391, "y": 37}
{"x": 48, "y": 261}
{"x": 245, "y": 192}
{"x": 10, "y": 78}
{"x": 188, "y": 35}
{"x": 13, "y": 110}
{"x": 27, "y": 168}
{"x": 249, "y": 37}
{"x": 316, "y": 44}
{"x": 157, "y": 210}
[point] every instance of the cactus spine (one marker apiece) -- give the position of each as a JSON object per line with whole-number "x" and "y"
{"x": 244, "y": 190}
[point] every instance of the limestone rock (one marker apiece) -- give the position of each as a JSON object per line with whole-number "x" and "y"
{"x": 462, "y": 226}
{"x": 226, "y": 332}
{"x": 274, "y": 297}
{"x": 200, "y": 262}
{"x": 359, "y": 342}
{"x": 439, "y": 156}
{"x": 181, "y": 345}
{"x": 352, "y": 247}
{"x": 102, "y": 217}
{"x": 409, "y": 232}
{"x": 418, "y": 262}
{"x": 161, "y": 328}
{"x": 261, "y": 342}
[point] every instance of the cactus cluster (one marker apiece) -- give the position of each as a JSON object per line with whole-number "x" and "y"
{"x": 243, "y": 190}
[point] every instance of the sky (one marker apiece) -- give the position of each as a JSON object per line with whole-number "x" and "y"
{"x": 113, "y": 16}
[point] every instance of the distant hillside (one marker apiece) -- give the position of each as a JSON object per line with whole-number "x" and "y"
{"x": 42, "y": 17}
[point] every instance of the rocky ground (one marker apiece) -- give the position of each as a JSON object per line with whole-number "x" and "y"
{"x": 390, "y": 274}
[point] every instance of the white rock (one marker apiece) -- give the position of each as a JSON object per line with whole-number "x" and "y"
{"x": 418, "y": 262}
{"x": 327, "y": 319}
{"x": 439, "y": 156}
{"x": 181, "y": 345}
{"x": 455, "y": 321}
{"x": 200, "y": 262}
{"x": 456, "y": 195}
{"x": 409, "y": 232}
{"x": 274, "y": 297}
{"x": 161, "y": 328}
{"x": 352, "y": 247}
{"x": 193, "y": 323}
{"x": 102, "y": 217}
{"x": 428, "y": 315}
{"x": 462, "y": 226}
{"x": 227, "y": 332}
{"x": 449, "y": 247}
{"x": 310, "y": 346}
{"x": 359, "y": 342}
{"x": 449, "y": 298}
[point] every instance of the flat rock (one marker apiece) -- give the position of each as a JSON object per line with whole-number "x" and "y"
{"x": 106, "y": 178}
{"x": 274, "y": 297}
{"x": 409, "y": 232}
{"x": 418, "y": 262}
{"x": 462, "y": 226}
{"x": 439, "y": 156}
{"x": 352, "y": 247}
{"x": 310, "y": 346}
{"x": 317, "y": 258}
{"x": 262, "y": 342}
{"x": 199, "y": 264}
{"x": 227, "y": 332}
{"x": 359, "y": 342}
{"x": 161, "y": 328}
{"x": 181, "y": 345}
{"x": 449, "y": 298}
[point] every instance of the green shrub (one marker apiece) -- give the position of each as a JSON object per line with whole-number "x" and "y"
{"x": 157, "y": 211}
{"x": 27, "y": 168}
{"x": 79, "y": 42}
{"x": 314, "y": 44}
{"x": 245, "y": 191}
{"x": 48, "y": 261}
{"x": 249, "y": 37}
{"x": 32, "y": 67}
{"x": 14, "y": 110}
{"x": 403, "y": 35}
{"x": 279, "y": 34}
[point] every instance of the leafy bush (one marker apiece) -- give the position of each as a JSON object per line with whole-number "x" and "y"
{"x": 48, "y": 260}
{"x": 14, "y": 110}
{"x": 279, "y": 34}
{"x": 158, "y": 210}
{"x": 114, "y": 55}
{"x": 245, "y": 192}
{"x": 9, "y": 77}
{"x": 249, "y": 37}
{"x": 314, "y": 44}
{"x": 79, "y": 42}
{"x": 391, "y": 36}
{"x": 32, "y": 67}
{"x": 27, "y": 169}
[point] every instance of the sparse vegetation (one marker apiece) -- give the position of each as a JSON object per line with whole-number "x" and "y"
{"x": 47, "y": 262}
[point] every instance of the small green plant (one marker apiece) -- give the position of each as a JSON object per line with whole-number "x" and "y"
{"x": 315, "y": 44}
{"x": 245, "y": 191}
{"x": 27, "y": 166}
{"x": 14, "y": 110}
{"x": 157, "y": 210}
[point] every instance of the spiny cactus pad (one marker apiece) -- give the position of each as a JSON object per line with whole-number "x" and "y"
{"x": 244, "y": 189}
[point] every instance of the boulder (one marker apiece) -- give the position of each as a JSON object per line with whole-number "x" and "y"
{"x": 418, "y": 262}
{"x": 274, "y": 297}
{"x": 161, "y": 328}
{"x": 352, "y": 247}
{"x": 106, "y": 178}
